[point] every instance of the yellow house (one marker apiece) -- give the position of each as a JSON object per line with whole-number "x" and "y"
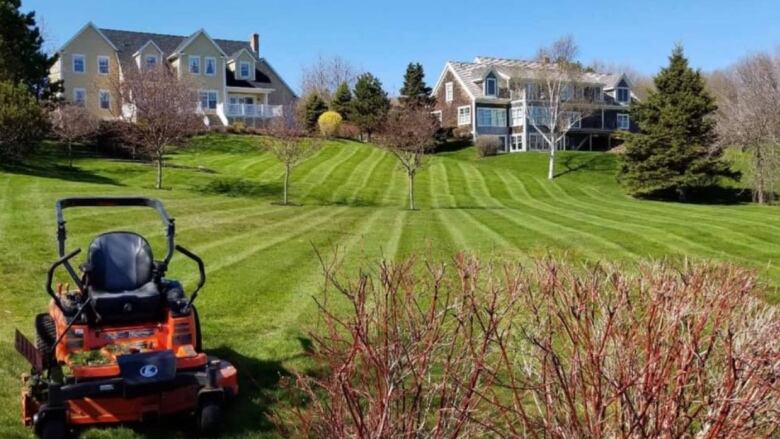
{"x": 234, "y": 82}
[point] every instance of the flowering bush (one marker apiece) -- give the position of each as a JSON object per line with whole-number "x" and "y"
{"x": 329, "y": 123}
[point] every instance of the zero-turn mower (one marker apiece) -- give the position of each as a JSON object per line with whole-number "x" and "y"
{"x": 124, "y": 346}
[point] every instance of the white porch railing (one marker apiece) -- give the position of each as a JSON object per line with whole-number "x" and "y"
{"x": 254, "y": 110}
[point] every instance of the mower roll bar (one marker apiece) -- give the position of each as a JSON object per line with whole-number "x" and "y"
{"x": 201, "y": 270}
{"x": 50, "y": 276}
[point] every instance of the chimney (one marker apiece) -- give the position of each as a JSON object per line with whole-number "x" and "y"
{"x": 254, "y": 41}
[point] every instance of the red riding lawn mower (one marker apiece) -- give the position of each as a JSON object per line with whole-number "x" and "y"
{"x": 125, "y": 345}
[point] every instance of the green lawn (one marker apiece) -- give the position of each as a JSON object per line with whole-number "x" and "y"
{"x": 257, "y": 307}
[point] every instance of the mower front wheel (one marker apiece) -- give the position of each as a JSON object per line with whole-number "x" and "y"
{"x": 52, "y": 427}
{"x": 209, "y": 418}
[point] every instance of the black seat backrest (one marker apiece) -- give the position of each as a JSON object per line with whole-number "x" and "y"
{"x": 120, "y": 261}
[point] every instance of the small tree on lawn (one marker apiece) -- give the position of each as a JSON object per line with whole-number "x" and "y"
{"x": 290, "y": 143}
{"x": 22, "y": 121}
{"x": 414, "y": 91}
{"x": 161, "y": 109}
{"x": 313, "y": 108}
{"x": 71, "y": 124}
{"x": 674, "y": 154}
{"x": 342, "y": 101}
{"x": 557, "y": 102}
{"x": 369, "y": 105}
{"x": 408, "y": 134}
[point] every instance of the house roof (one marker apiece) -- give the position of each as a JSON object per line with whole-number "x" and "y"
{"x": 471, "y": 73}
{"x": 128, "y": 43}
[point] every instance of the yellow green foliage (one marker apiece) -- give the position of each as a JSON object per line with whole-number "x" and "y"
{"x": 329, "y": 123}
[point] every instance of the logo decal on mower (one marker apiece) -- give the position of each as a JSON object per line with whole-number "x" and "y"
{"x": 148, "y": 371}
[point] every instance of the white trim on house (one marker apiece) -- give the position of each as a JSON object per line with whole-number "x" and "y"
{"x": 73, "y": 58}
{"x": 206, "y": 60}
{"x": 449, "y": 92}
{"x": 101, "y": 94}
{"x": 516, "y": 116}
{"x": 108, "y": 64}
{"x": 438, "y": 115}
{"x": 139, "y": 51}
{"x": 241, "y": 65}
{"x": 504, "y": 145}
{"x": 235, "y": 56}
{"x": 191, "y": 58}
{"x": 628, "y": 95}
{"x": 465, "y": 118}
{"x": 495, "y": 87}
{"x": 83, "y": 92}
{"x": 250, "y": 90}
{"x": 88, "y": 25}
{"x": 516, "y": 143}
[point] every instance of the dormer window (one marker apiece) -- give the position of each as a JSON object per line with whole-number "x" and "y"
{"x": 490, "y": 87}
{"x": 623, "y": 95}
{"x": 243, "y": 69}
{"x": 150, "y": 61}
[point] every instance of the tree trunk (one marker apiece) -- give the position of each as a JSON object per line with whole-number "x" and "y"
{"x": 159, "y": 170}
{"x": 411, "y": 191}
{"x": 551, "y": 164}
{"x": 70, "y": 154}
{"x": 286, "y": 183}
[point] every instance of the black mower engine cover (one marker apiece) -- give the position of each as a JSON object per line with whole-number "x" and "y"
{"x": 147, "y": 368}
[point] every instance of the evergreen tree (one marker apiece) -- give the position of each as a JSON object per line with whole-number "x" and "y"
{"x": 313, "y": 108}
{"x": 342, "y": 101}
{"x": 21, "y": 56}
{"x": 674, "y": 152}
{"x": 370, "y": 104}
{"x": 414, "y": 91}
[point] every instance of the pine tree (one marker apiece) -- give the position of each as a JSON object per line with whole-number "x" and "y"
{"x": 313, "y": 108}
{"x": 674, "y": 152}
{"x": 370, "y": 104}
{"x": 21, "y": 56}
{"x": 342, "y": 101}
{"x": 414, "y": 91}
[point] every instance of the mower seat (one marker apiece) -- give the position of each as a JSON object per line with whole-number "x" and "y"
{"x": 120, "y": 279}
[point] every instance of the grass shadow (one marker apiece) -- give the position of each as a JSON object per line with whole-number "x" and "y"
{"x": 596, "y": 162}
{"x": 453, "y": 146}
{"x": 236, "y": 187}
{"x": 43, "y": 169}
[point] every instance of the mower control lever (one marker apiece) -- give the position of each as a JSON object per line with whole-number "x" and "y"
{"x": 201, "y": 269}
{"x": 50, "y": 276}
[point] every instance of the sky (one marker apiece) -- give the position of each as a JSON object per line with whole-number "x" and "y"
{"x": 383, "y": 37}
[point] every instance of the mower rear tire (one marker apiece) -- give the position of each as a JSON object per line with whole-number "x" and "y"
{"x": 45, "y": 337}
{"x": 53, "y": 428}
{"x": 209, "y": 418}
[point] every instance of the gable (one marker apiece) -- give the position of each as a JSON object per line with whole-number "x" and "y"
{"x": 89, "y": 40}
{"x": 201, "y": 45}
{"x": 623, "y": 83}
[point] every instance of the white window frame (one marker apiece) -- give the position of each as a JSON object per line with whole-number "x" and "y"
{"x": 516, "y": 116}
{"x": 567, "y": 92}
{"x": 207, "y": 94}
{"x": 108, "y": 64}
{"x": 623, "y": 121}
{"x": 206, "y": 65}
{"x": 241, "y": 65}
{"x": 534, "y": 138}
{"x": 102, "y": 93}
{"x": 495, "y": 87}
{"x": 464, "y": 118}
{"x": 569, "y": 115}
{"x": 190, "y": 59}
{"x": 149, "y": 56}
{"x": 437, "y": 115}
{"x": 628, "y": 95}
{"x": 495, "y": 118}
{"x": 449, "y": 91}
{"x": 516, "y": 140}
{"x": 75, "y": 96}
{"x": 73, "y": 59}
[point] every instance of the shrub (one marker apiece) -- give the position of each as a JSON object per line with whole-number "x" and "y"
{"x": 329, "y": 123}
{"x": 548, "y": 351}
{"x": 110, "y": 140}
{"x": 488, "y": 146}
{"x": 23, "y": 123}
{"x": 237, "y": 127}
{"x": 349, "y": 130}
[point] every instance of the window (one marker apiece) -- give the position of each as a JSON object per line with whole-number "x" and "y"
{"x": 79, "y": 64}
{"x": 538, "y": 116}
{"x": 537, "y": 142}
{"x": 105, "y": 99}
{"x": 103, "y": 63}
{"x": 532, "y": 91}
{"x": 491, "y": 117}
{"x": 623, "y": 122}
{"x": 502, "y": 146}
{"x": 448, "y": 92}
{"x": 517, "y": 143}
{"x": 79, "y": 96}
{"x": 437, "y": 115}
{"x": 573, "y": 119}
{"x": 567, "y": 92}
{"x": 211, "y": 66}
{"x": 623, "y": 94}
{"x": 490, "y": 87}
{"x": 194, "y": 65}
{"x": 243, "y": 69}
{"x": 516, "y": 116}
{"x": 150, "y": 61}
{"x": 464, "y": 115}
{"x": 208, "y": 99}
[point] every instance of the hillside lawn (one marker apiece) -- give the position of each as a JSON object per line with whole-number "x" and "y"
{"x": 262, "y": 270}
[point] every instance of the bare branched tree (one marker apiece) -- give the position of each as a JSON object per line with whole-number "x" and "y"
{"x": 409, "y": 133}
{"x": 72, "y": 124}
{"x": 325, "y": 75}
{"x": 161, "y": 109}
{"x": 290, "y": 143}
{"x": 749, "y": 116}
{"x": 557, "y": 101}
